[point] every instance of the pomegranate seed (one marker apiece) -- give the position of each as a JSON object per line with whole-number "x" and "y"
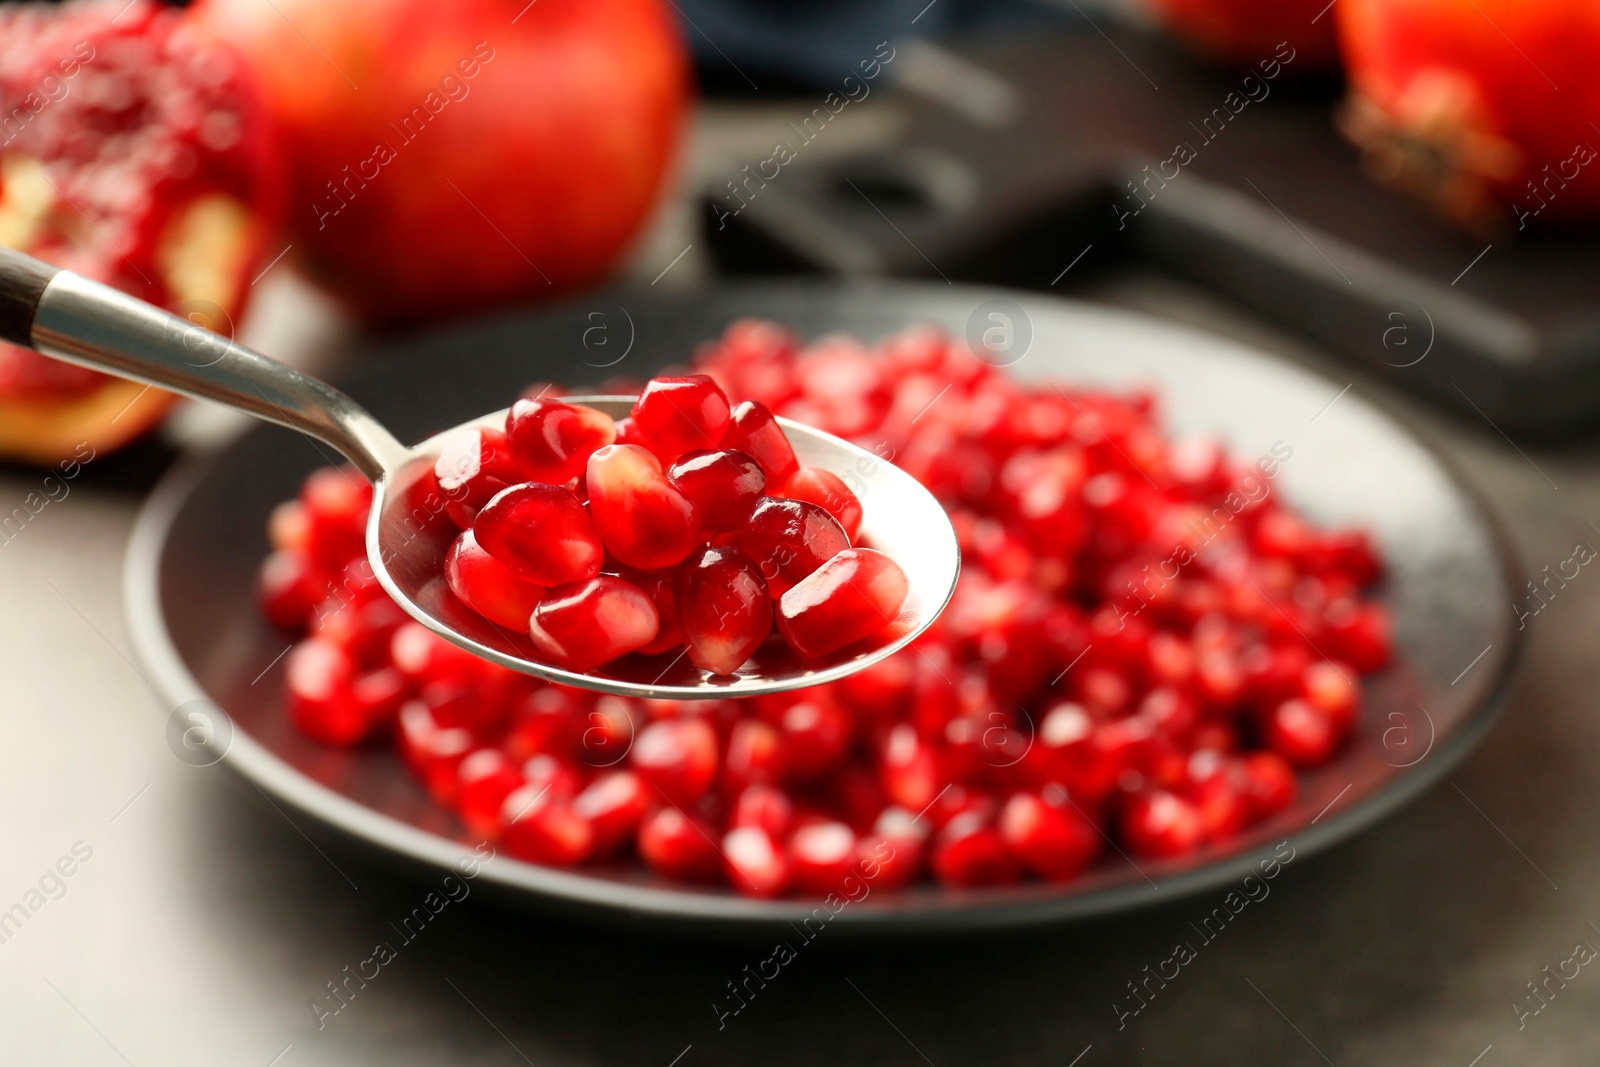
{"x": 1051, "y": 839}
{"x": 678, "y": 757}
{"x": 553, "y": 440}
{"x": 290, "y": 586}
{"x": 318, "y": 676}
{"x": 828, "y": 491}
{"x": 757, "y": 867}
{"x": 485, "y": 778}
{"x": 724, "y": 487}
{"x": 432, "y": 751}
{"x": 677, "y": 846}
{"x": 756, "y": 433}
{"x": 643, "y": 519}
{"x": 821, "y": 855}
{"x": 336, "y": 502}
{"x": 1159, "y": 823}
{"x": 423, "y": 656}
{"x": 472, "y": 467}
{"x": 613, "y": 805}
{"x": 788, "y": 539}
{"x": 541, "y": 829}
{"x": 1332, "y": 690}
{"x": 883, "y": 691}
{"x": 815, "y": 732}
{"x": 542, "y": 533}
{"x": 755, "y": 754}
{"x": 658, "y": 586}
{"x": 289, "y": 527}
{"x": 764, "y": 807}
{"x": 1359, "y": 634}
{"x": 1301, "y": 734}
{"x": 725, "y": 610}
{"x": 849, "y": 598}
{"x": 1222, "y": 808}
{"x": 1268, "y": 783}
{"x": 681, "y": 414}
{"x": 581, "y": 625}
{"x": 969, "y": 851}
{"x": 910, "y": 769}
{"x": 488, "y": 586}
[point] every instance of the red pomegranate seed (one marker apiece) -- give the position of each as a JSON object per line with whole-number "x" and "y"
{"x": 318, "y": 676}
{"x": 910, "y": 769}
{"x": 539, "y": 828}
{"x": 542, "y": 533}
{"x": 1268, "y": 783}
{"x": 553, "y": 440}
{"x": 681, "y": 414}
{"x": 821, "y": 855}
{"x": 431, "y": 750}
{"x": 608, "y": 736}
{"x": 1333, "y": 690}
{"x": 724, "y": 608}
{"x": 488, "y": 586}
{"x": 969, "y": 851}
{"x": 1359, "y": 634}
{"x": 757, "y": 867}
{"x": 581, "y": 625}
{"x": 485, "y": 778}
{"x": 756, "y": 433}
{"x": 1159, "y": 823}
{"x": 423, "y": 656}
{"x": 473, "y": 466}
{"x": 1223, "y": 808}
{"x": 549, "y": 720}
{"x": 1051, "y": 839}
{"x": 881, "y": 692}
{"x": 849, "y": 598}
{"x": 613, "y": 805}
{"x": 336, "y": 502}
{"x": 766, "y": 808}
{"x": 678, "y": 757}
{"x": 289, "y": 527}
{"x": 815, "y": 732}
{"x": 724, "y": 487}
{"x": 643, "y": 519}
{"x": 658, "y": 586}
{"x": 755, "y": 754}
{"x": 828, "y": 491}
{"x": 788, "y": 539}
{"x": 290, "y": 586}
{"x": 677, "y": 846}
{"x": 1301, "y": 734}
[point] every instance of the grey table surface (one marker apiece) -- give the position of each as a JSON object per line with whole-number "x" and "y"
{"x": 199, "y": 922}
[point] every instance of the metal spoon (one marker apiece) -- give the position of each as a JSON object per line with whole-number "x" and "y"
{"x": 68, "y": 317}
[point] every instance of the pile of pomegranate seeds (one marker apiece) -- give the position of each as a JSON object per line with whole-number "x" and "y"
{"x": 658, "y": 534}
{"x": 1136, "y": 650}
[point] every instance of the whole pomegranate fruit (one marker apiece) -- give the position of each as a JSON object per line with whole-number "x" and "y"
{"x": 453, "y": 156}
{"x": 1482, "y": 107}
{"x": 132, "y": 151}
{"x": 1248, "y": 31}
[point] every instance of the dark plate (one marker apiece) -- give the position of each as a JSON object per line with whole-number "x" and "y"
{"x": 194, "y": 555}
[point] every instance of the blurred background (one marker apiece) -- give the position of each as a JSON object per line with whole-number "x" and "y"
{"x": 1394, "y": 193}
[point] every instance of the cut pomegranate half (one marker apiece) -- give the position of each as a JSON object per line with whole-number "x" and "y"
{"x": 136, "y": 154}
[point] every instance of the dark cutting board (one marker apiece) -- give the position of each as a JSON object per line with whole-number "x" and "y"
{"x": 1272, "y": 212}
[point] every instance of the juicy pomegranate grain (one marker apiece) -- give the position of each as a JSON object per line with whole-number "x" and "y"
{"x": 642, "y": 517}
{"x": 553, "y": 440}
{"x": 318, "y": 675}
{"x": 473, "y": 466}
{"x": 542, "y": 533}
{"x": 757, "y": 866}
{"x": 852, "y": 596}
{"x": 613, "y": 805}
{"x": 487, "y": 777}
{"x": 828, "y": 491}
{"x": 581, "y": 625}
{"x": 766, "y": 808}
{"x": 788, "y": 539}
{"x": 1301, "y": 733}
{"x": 1160, "y": 823}
{"x": 678, "y": 757}
{"x": 1051, "y": 839}
{"x": 681, "y": 414}
{"x": 723, "y": 485}
{"x": 756, "y": 433}
{"x": 676, "y": 845}
{"x": 969, "y": 851}
{"x": 289, "y": 587}
{"x": 821, "y": 855}
{"x": 724, "y": 609}
{"x": 540, "y": 829}
{"x": 488, "y": 586}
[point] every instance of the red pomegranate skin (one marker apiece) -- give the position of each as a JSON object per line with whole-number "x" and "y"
{"x": 1508, "y": 86}
{"x": 452, "y": 157}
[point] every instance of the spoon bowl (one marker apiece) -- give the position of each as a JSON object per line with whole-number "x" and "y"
{"x": 408, "y": 535}
{"x": 62, "y": 315}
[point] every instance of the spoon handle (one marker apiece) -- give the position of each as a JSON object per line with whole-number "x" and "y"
{"x": 60, "y": 314}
